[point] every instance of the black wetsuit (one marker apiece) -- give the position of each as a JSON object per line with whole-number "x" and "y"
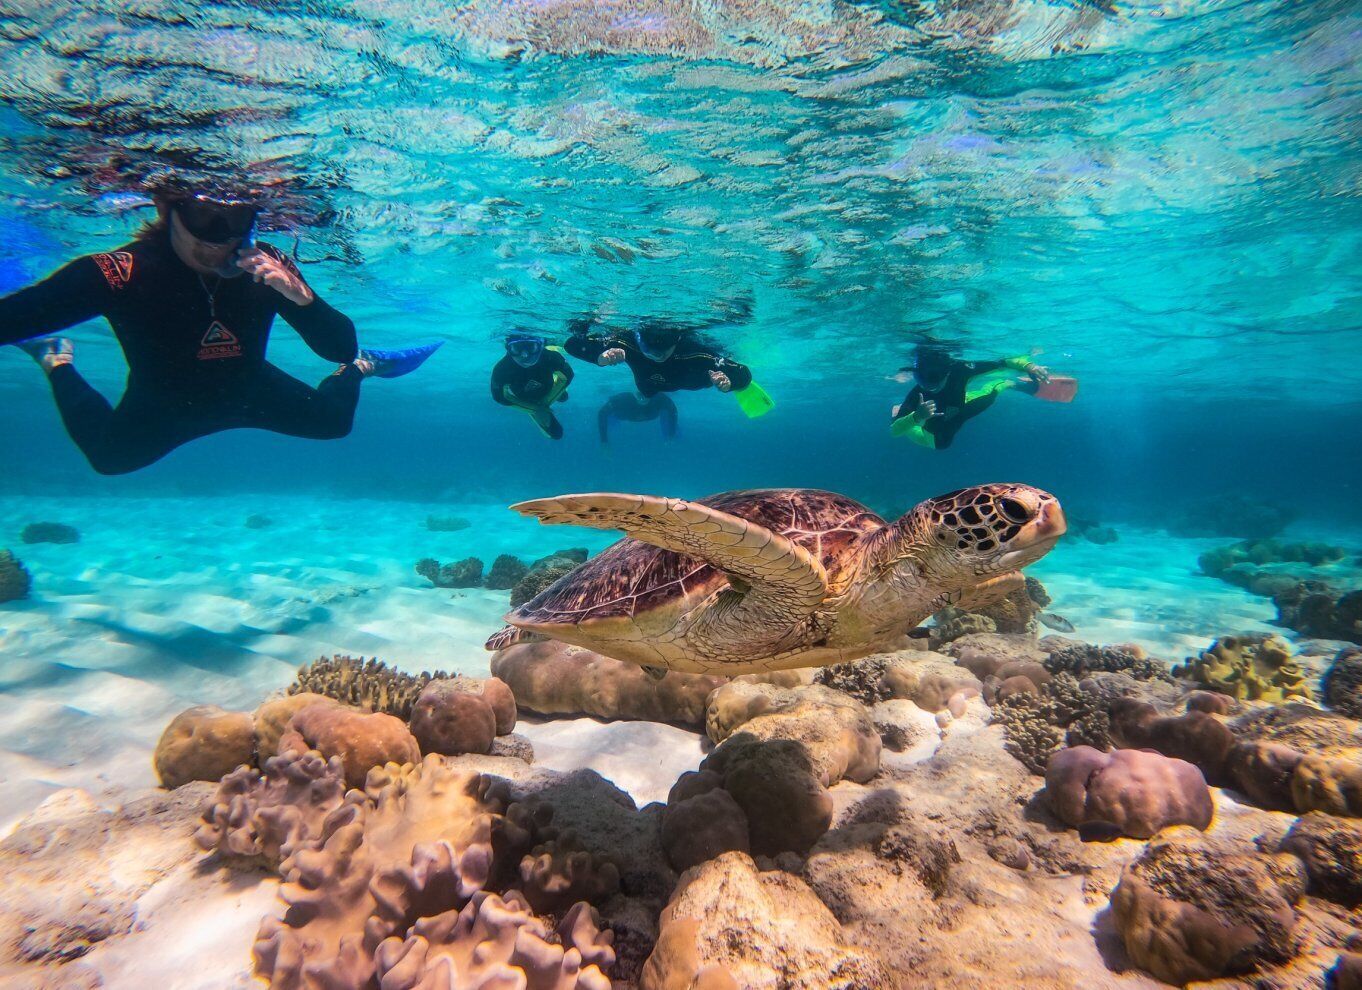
{"x": 530, "y": 385}
{"x": 956, "y": 402}
{"x": 195, "y": 347}
{"x": 687, "y": 368}
{"x": 533, "y": 388}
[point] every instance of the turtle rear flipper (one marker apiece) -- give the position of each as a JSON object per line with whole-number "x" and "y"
{"x": 776, "y": 582}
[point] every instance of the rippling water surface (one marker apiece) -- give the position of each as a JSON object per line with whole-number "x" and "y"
{"x": 1156, "y": 193}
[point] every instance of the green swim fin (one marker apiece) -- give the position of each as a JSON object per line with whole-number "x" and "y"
{"x": 754, "y": 401}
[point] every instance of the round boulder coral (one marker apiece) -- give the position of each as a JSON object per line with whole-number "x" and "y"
{"x": 1343, "y": 683}
{"x": 272, "y": 718}
{"x": 1331, "y": 849}
{"x": 451, "y": 721}
{"x": 204, "y": 743}
{"x": 1136, "y": 792}
{"x": 1199, "y": 912}
{"x": 700, "y": 824}
{"x": 362, "y": 740}
{"x": 775, "y": 784}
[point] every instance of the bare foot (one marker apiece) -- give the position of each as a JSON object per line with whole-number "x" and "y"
{"x": 49, "y": 352}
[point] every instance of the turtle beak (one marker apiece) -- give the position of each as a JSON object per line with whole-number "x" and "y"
{"x": 1050, "y": 522}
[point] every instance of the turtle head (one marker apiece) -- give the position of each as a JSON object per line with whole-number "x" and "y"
{"x": 973, "y": 534}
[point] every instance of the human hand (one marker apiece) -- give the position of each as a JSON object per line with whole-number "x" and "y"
{"x": 926, "y": 409}
{"x": 614, "y": 355}
{"x": 721, "y": 381}
{"x": 277, "y": 273}
{"x": 1038, "y": 374}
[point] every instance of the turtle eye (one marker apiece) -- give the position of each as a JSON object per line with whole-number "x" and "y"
{"x": 1014, "y": 510}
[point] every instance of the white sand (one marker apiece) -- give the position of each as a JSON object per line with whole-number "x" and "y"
{"x": 171, "y": 602}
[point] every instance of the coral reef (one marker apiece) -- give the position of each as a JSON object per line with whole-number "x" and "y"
{"x": 702, "y": 821}
{"x": 554, "y": 678}
{"x": 361, "y": 740}
{"x": 1240, "y": 563}
{"x": 272, "y": 718}
{"x": 728, "y": 926}
{"x": 1315, "y": 609}
{"x": 542, "y": 573}
{"x": 1080, "y": 659}
{"x": 260, "y": 817}
{"x": 1038, "y": 723}
{"x": 1231, "y": 515}
{"x": 450, "y": 721}
{"x": 446, "y": 524}
{"x": 836, "y": 731}
{"x": 1249, "y": 668}
{"x": 778, "y": 789}
{"x": 1331, "y": 849}
{"x": 1342, "y": 685}
{"x": 1135, "y": 793}
{"x": 397, "y": 889}
{"x": 15, "y": 582}
{"x": 204, "y": 743}
{"x": 466, "y": 573}
{"x": 505, "y": 572}
{"x": 369, "y": 684}
{"x": 1195, "y": 736}
{"x": 1198, "y": 912}
{"x": 49, "y": 532}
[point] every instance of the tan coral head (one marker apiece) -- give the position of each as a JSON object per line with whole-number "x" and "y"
{"x": 992, "y": 529}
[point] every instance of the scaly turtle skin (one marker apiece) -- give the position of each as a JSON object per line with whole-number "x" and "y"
{"x": 767, "y": 580}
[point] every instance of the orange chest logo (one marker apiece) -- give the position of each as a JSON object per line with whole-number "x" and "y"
{"x": 219, "y": 342}
{"x": 116, "y": 268}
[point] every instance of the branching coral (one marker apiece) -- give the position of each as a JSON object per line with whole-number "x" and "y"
{"x": 369, "y": 684}
{"x": 505, "y": 572}
{"x": 1080, "y": 659}
{"x": 1249, "y": 668}
{"x": 1038, "y": 725}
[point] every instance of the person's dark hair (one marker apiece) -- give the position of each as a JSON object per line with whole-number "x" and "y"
{"x": 932, "y": 356}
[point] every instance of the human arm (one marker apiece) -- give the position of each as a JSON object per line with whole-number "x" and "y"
{"x": 730, "y": 376}
{"x": 329, "y": 332}
{"x": 72, "y": 294}
{"x": 1021, "y": 362}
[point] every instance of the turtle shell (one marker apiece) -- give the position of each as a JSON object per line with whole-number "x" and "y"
{"x": 631, "y": 578}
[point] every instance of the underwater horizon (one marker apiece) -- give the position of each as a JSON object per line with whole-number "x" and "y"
{"x": 1142, "y": 767}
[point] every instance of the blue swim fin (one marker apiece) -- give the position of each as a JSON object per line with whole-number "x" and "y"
{"x": 395, "y": 364}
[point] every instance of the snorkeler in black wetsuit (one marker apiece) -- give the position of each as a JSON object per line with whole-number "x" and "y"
{"x": 194, "y": 334}
{"x": 532, "y": 377}
{"x": 946, "y": 394}
{"x": 666, "y": 356}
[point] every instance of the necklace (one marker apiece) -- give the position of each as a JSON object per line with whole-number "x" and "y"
{"x": 212, "y": 297}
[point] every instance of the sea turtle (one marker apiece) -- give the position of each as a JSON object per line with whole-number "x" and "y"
{"x": 767, "y": 580}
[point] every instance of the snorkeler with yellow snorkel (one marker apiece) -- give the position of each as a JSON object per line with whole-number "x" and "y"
{"x": 948, "y": 392}
{"x": 532, "y": 377}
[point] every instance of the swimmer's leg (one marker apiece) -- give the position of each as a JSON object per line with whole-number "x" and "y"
{"x": 667, "y": 414}
{"x": 139, "y": 432}
{"x": 280, "y": 403}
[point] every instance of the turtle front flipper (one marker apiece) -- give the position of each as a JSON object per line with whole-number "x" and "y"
{"x": 989, "y": 592}
{"x": 776, "y": 583}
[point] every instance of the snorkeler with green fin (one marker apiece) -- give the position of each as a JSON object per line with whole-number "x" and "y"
{"x": 948, "y": 392}
{"x": 532, "y": 377}
{"x": 668, "y": 356}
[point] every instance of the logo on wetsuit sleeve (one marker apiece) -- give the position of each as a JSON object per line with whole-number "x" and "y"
{"x": 116, "y": 268}
{"x": 219, "y": 342}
